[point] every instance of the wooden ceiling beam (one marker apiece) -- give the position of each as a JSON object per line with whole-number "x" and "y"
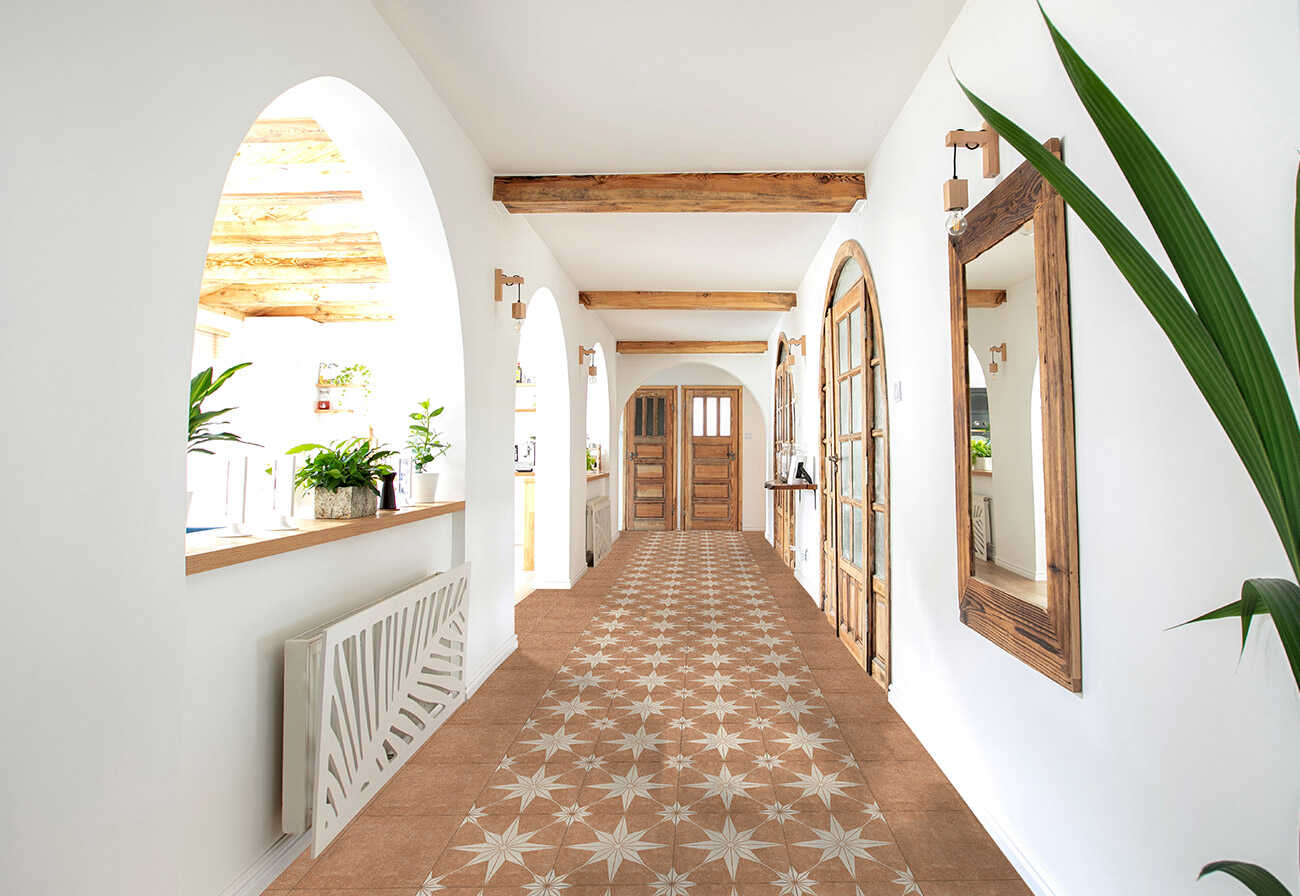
{"x": 644, "y": 300}
{"x": 679, "y": 347}
{"x": 778, "y": 191}
{"x": 253, "y": 268}
{"x": 985, "y": 298}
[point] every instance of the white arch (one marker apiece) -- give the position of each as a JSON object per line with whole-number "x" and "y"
{"x": 543, "y": 354}
{"x": 598, "y": 398}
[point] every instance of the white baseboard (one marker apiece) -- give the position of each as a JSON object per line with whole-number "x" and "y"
{"x": 993, "y": 823}
{"x": 262, "y": 873}
{"x": 499, "y": 656}
{"x": 1019, "y": 570}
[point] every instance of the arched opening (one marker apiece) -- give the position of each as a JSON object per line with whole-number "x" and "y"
{"x": 598, "y": 414}
{"x": 674, "y": 379}
{"x": 542, "y": 450}
{"x": 855, "y": 463}
{"x": 328, "y": 271}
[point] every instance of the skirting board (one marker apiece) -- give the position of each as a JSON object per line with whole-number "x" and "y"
{"x": 264, "y": 872}
{"x": 502, "y": 653}
{"x": 992, "y": 823}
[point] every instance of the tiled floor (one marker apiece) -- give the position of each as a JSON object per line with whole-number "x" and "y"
{"x": 683, "y": 723}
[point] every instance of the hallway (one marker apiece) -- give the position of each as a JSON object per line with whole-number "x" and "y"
{"x": 681, "y": 722}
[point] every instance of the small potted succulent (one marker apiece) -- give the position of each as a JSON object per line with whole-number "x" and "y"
{"x": 981, "y": 454}
{"x": 426, "y": 445}
{"x": 343, "y": 476}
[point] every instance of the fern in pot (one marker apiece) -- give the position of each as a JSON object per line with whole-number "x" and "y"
{"x": 426, "y": 446}
{"x": 343, "y": 477}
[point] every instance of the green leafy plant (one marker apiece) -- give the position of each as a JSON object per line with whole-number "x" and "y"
{"x": 1211, "y": 326}
{"x": 202, "y": 387}
{"x": 980, "y": 448}
{"x": 343, "y": 464}
{"x": 593, "y": 464}
{"x": 423, "y": 441}
{"x": 354, "y": 373}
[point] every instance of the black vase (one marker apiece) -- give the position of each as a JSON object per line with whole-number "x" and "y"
{"x": 388, "y": 496}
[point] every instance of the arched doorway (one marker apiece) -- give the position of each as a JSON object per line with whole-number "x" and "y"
{"x": 542, "y": 495}
{"x": 855, "y": 463}
{"x": 327, "y": 256}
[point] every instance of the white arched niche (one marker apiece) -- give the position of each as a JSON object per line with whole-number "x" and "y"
{"x": 598, "y": 430}
{"x": 754, "y": 426}
{"x": 543, "y": 356}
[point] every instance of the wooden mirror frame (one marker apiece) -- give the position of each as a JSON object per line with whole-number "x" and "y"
{"x": 1047, "y": 640}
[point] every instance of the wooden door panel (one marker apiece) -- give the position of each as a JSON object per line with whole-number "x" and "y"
{"x": 649, "y": 436}
{"x": 711, "y": 457}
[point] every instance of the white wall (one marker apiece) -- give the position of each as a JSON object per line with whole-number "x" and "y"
{"x": 1175, "y": 754}
{"x": 129, "y": 117}
{"x": 747, "y": 371}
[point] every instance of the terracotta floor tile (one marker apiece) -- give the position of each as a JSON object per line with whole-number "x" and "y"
{"x": 948, "y": 845}
{"x": 974, "y": 888}
{"x": 292, "y": 875}
{"x": 683, "y": 720}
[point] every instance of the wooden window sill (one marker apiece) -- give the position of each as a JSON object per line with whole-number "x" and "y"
{"x": 204, "y": 551}
{"x": 592, "y": 477}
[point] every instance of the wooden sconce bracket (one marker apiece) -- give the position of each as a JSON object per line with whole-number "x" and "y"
{"x": 503, "y": 281}
{"x": 985, "y": 139}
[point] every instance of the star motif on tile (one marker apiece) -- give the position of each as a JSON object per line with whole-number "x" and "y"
{"x": 473, "y": 815}
{"x": 651, "y": 680}
{"x": 779, "y": 811}
{"x": 873, "y": 811}
{"x": 498, "y": 849}
{"x": 773, "y": 658}
{"x": 618, "y": 846}
{"x": 845, "y": 845}
{"x": 718, "y": 680}
{"x": 595, "y": 659}
{"x": 821, "y": 785}
{"x": 725, "y": 785}
{"x": 730, "y": 846}
{"x": 672, "y": 883}
{"x": 795, "y": 883}
{"x": 604, "y": 723}
{"x": 905, "y": 879}
{"x": 575, "y": 706}
{"x": 679, "y": 761}
{"x": 723, "y": 741}
{"x": 767, "y": 761}
{"x": 630, "y": 786}
{"x": 716, "y": 659}
{"x": 555, "y": 741}
{"x": 567, "y": 815}
{"x": 803, "y": 740}
{"x": 638, "y": 742}
{"x": 719, "y": 707}
{"x": 548, "y": 884}
{"x": 430, "y": 886}
{"x": 531, "y": 787}
{"x": 793, "y": 708}
{"x": 676, "y": 813}
{"x": 646, "y": 707}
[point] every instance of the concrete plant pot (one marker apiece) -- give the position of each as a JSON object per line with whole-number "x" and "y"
{"x": 352, "y": 502}
{"x": 983, "y": 463}
{"x": 424, "y": 488}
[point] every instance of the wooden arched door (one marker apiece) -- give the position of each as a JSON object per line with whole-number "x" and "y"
{"x": 855, "y": 464}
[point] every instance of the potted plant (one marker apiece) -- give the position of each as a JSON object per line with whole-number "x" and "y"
{"x": 343, "y": 475}
{"x": 202, "y": 387}
{"x": 981, "y": 454}
{"x": 426, "y": 445}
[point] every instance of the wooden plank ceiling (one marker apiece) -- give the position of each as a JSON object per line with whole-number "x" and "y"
{"x": 293, "y": 236}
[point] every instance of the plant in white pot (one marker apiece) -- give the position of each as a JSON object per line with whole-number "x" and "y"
{"x": 202, "y": 387}
{"x": 426, "y": 445}
{"x": 343, "y": 476}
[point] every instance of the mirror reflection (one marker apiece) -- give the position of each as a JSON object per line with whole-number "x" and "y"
{"x": 1008, "y": 531}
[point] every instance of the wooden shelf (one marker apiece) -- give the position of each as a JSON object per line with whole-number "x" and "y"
{"x": 204, "y": 551}
{"x": 337, "y": 411}
{"x": 789, "y": 486}
{"x": 525, "y": 410}
{"x": 591, "y": 477}
{"x": 975, "y": 472}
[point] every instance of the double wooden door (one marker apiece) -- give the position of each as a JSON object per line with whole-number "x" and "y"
{"x": 709, "y": 458}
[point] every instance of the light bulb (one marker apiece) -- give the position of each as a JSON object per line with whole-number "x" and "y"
{"x": 956, "y": 223}
{"x": 519, "y": 325}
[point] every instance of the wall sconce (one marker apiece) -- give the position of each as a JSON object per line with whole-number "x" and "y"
{"x": 956, "y": 195}
{"x": 587, "y": 358}
{"x": 518, "y": 310}
{"x": 996, "y": 350}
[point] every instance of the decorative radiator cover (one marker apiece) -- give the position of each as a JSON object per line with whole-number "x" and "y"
{"x": 981, "y": 513}
{"x": 598, "y": 538}
{"x": 362, "y": 694}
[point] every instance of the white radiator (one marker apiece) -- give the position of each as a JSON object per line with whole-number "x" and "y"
{"x": 598, "y": 538}
{"x": 362, "y": 694}
{"x": 981, "y": 525}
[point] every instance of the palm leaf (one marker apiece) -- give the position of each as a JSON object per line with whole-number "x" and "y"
{"x": 1281, "y": 600}
{"x": 1256, "y": 879}
{"x": 1185, "y": 330}
{"x": 1207, "y": 277}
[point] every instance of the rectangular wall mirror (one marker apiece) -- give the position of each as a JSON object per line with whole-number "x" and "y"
{"x": 1013, "y": 414}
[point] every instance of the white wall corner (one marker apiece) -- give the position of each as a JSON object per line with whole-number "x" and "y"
{"x": 499, "y": 656}
{"x": 254, "y": 879}
{"x": 915, "y": 718}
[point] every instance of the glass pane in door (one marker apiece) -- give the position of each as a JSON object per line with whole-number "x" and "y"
{"x": 846, "y": 531}
{"x": 855, "y": 338}
{"x": 724, "y": 416}
{"x": 711, "y": 415}
{"x": 639, "y": 427}
{"x": 842, "y": 336}
{"x": 857, "y": 536}
{"x": 846, "y": 406}
{"x": 697, "y": 415}
{"x": 856, "y": 418}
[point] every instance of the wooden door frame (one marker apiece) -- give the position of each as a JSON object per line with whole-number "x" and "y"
{"x": 687, "y": 457}
{"x": 670, "y": 457}
{"x": 782, "y": 497}
{"x": 879, "y": 630}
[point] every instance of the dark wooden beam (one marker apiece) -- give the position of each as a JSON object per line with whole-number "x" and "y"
{"x": 677, "y": 347}
{"x": 985, "y": 298}
{"x": 644, "y": 300}
{"x": 778, "y": 191}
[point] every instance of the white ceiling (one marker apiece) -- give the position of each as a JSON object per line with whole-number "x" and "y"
{"x": 658, "y": 325}
{"x": 581, "y": 87}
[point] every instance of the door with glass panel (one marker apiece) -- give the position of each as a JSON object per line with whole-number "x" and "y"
{"x": 783, "y": 429}
{"x": 649, "y": 464}
{"x": 854, "y": 488}
{"x": 711, "y": 458}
